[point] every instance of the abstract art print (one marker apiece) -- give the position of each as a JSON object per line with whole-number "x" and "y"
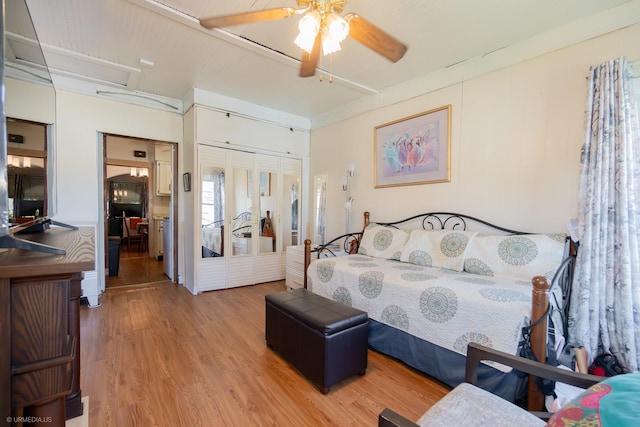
{"x": 414, "y": 150}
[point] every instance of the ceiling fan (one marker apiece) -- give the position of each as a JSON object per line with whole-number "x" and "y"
{"x": 321, "y": 28}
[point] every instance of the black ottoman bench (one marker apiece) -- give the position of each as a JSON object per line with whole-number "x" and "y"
{"x": 325, "y": 340}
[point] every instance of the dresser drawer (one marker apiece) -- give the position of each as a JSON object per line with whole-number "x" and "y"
{"x": 294, "y": 279}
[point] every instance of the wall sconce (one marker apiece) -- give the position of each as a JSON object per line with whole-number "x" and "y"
{"x": 348, "y": 204}
{"x": 351, "y": 169}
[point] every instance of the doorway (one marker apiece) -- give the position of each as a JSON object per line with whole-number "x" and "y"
{"x": 138, "y": 182}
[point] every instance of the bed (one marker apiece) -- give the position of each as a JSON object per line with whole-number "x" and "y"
{"x": 431, "y": 284}
{"x": 213, "y": 237}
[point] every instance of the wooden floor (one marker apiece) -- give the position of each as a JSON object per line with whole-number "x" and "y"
{"x": 136, "y": 267}
{"x": 156, "y": 355}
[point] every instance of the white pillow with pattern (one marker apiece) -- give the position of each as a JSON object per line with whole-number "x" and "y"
{"x": 520, "y": 257}
{"x": 438, "y": 248}
{"x": 382, "y": 242}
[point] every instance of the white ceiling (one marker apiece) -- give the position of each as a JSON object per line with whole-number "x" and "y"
{"x": 156, "y": 49}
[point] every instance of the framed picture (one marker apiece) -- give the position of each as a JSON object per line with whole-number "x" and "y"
{"x": 414, "y": 150}
{"x": 186, "y": 181}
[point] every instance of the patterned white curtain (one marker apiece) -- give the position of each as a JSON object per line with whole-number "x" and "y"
{"x": 218, "y": 197}
{"x": 605, "y": 300}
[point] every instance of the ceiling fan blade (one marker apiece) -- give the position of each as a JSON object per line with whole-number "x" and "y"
{"x": 247, "y": 17}
{"x": 310, "y": 60}
{"x": 374, "y": 38}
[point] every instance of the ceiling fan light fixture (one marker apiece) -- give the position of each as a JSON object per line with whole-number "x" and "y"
{"x": 330, "y": 45}
{"x": 335, "y": 30}
{"x": 336, "y": 27}
{"x": 305, "y": 41}
{"x": 322, "y": 28}
{"x": 309, "y": 26}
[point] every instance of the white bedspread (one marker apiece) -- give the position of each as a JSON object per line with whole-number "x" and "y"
{"x": 445, "y": 307}
{"x": 211, "y": 239}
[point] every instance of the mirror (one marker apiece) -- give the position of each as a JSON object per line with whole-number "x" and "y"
{"x": 22, "y": 59}
{"x": 26, "y": 170}
{"x": 291, "y": 218}
{"x": 267, "y": 185}
{"x": 212, "y": 211}
{"x": 242, "y": 212}
{"x": 320, "y": 203}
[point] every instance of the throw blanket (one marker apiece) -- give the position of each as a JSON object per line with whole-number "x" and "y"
{"x": 445, "y": 307}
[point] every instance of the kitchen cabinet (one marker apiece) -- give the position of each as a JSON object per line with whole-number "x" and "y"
{"x": 163, "y": 178}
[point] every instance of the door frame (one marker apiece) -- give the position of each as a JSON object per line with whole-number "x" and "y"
{"x": 173, "y": 201}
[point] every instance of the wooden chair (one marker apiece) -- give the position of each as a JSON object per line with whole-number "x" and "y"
{"x": 486, "y": 408}
{"x": 135, "y": 238}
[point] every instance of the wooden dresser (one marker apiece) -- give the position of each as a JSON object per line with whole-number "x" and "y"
{"x": 40, "y": 327}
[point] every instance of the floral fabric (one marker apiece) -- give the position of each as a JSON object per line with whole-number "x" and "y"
{"x": 612, "y": 402}
{"x": 605, "y": 299}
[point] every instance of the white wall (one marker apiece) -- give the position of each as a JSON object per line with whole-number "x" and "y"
{"x": 79, "y": 120}
{"x": 515, "y": 144}
{"x": 29, "y": 101}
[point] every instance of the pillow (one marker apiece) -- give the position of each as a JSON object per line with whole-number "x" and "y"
{"x": 382, "y": 242}
{"x": 440, "y": 248}
{"x": 612, "y": 402}
{"x": 519, "y": 257}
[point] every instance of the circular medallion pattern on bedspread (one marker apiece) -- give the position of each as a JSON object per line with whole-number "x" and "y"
{"x": 325, "y": 270}
{"x": 438, "y": 304}
{"x": 343, "y": 296}
{"x": 417, "y": 277}
{"x": 460, "y": 344}
{"x": 395, "y": 316}
{"x": 420, "y": 258}
{"x": 408, "y": 267}
{"x": 475, "y": 280}
{"x": 363, "y": 264}
{"x": 382, "y": 240}
{"x": 454, "y": 244}
{"x": 475, "y": 266}
{"x": 517, "y": 250}
{"x": 504, "y": 295}
{"x": 370, "y": 284}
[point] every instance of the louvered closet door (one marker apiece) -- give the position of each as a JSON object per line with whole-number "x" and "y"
{"x": 269, "y": 204}
{"x": 242, "y": 219}
{"x": 291, "y": 198}
{"x": 261, "y": 216}
{"x": 211, "y": 250}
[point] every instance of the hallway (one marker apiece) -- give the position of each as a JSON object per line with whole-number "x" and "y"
{"x": 137, "y": 268}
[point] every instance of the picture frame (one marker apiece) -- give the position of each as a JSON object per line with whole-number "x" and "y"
{"x": 414, "y": 150}
{"x": 186, "y": 181}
